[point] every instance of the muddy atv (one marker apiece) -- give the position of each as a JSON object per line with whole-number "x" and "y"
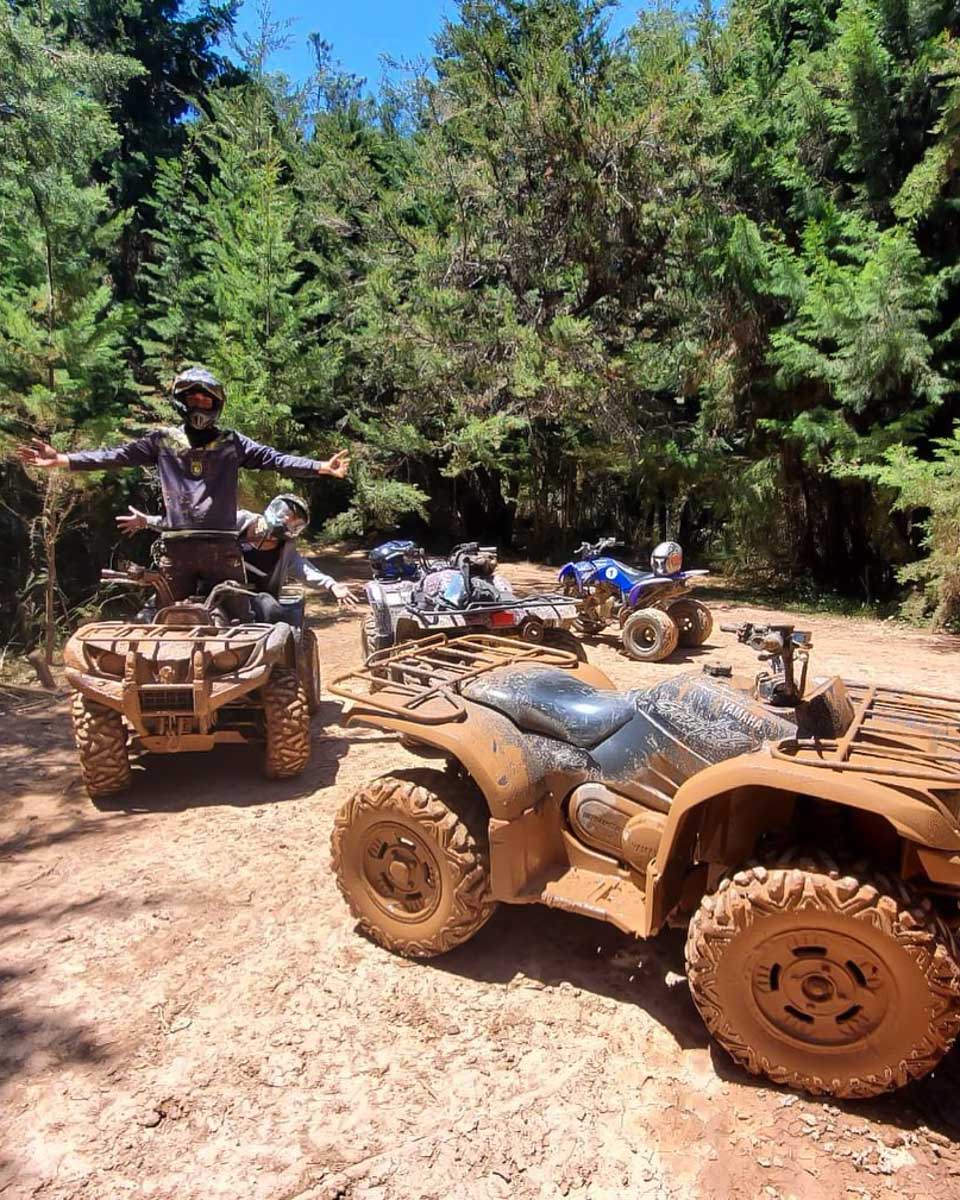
{"x": 465, "y": 594}
{"x": 196, "y": 676}
{"x": 807, "y": 837}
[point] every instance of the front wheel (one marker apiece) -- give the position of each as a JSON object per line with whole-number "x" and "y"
{"x": 101, "y": 740}
{"x": 843, "y": 986}
{"x": 693, "y": 619}
{"x": 649, "y": 635}
{"x": 411, "y": 859}
{"x": 286, "y": 714}
{"x": 308, "y": 659}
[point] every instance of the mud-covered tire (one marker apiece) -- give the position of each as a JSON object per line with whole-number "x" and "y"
{"x": 649, "y": 635}
{"x": 411, "y": 859}
{"x": 101, "y": 740}
{"x": 839, "y": 985}
{"x": 308, "y": 657}
{"x": 694, "y": 621}
{"x": 286, "y": 718}
{"x": 563, "y": 639}
{"x": 368, "y": 637}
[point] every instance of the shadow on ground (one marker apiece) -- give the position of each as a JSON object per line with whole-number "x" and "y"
{"x": 554, "y": 948}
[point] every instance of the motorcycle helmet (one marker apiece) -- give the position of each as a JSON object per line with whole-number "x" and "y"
{"x": 199, "y": 397}
{"x": 666, "y": 559}
{"x": 286, "y": 516}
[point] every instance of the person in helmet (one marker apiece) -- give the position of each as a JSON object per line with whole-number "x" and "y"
{"x": 270, "y": 555}
{"x": 198, "y": 464}
{"x": 666, "y": 559}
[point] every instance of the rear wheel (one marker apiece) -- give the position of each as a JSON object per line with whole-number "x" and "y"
{"x": 101, "y": 739}
{"x": 693, "y": 619}
{"x": 533, "y": 631}
{"x": 649, "y": 635}
{"x": 838, "y": 985}
{"x": 286, "y": 714}
{"x": 411, "y": 859}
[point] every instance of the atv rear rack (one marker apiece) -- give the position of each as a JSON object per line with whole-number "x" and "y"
{"x": 421, "y": 680}
{"x": 914, "y": 735}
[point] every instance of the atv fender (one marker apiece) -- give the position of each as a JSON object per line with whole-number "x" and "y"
{"x": 762, "y": 787}
{"x": 505, "y": 763}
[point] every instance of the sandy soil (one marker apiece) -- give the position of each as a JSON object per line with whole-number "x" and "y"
{"x": 186, "y": 1009}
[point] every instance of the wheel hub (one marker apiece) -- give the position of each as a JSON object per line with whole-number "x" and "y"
{"x": 401, "y": 872}
{"x": 821, "y": 987}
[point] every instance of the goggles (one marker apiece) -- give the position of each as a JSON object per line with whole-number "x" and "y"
{"x": 284, "y": 519}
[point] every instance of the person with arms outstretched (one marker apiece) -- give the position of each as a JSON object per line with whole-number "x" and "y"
{"x": 198, "y": 465}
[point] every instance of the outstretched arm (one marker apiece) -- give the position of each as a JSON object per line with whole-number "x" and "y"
{"x": 300, "y": 569}
{"x": 265, "y": 458}
{"x": 139, "y": 453}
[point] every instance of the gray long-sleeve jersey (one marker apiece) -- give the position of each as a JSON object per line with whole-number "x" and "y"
{"x": 199, "y": 483}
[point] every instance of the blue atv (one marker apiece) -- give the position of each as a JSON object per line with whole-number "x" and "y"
{"x": 654, "y": 613}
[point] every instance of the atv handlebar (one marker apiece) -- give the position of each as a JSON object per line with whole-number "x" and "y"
{"x": 591, "y": 549}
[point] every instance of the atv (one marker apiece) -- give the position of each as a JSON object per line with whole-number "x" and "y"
{"x": 651, "y": 607}
{"x": 464, "y": 594}
{"x": 807, "y": 836}
{"x": 200, "y": 673}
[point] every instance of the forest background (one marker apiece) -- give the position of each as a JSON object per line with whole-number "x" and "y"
{"x": 700, "y": 280}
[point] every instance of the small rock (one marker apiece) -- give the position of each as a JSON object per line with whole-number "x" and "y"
{"x": 149, "y": 1117}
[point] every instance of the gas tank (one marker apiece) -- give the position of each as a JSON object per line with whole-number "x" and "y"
{"x": 615, "y": 573}
{"x": 683, "y": 725}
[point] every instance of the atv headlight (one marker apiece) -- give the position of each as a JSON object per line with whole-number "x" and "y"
{"x": 104, "y": 662}
{"x": 229, "y": 659}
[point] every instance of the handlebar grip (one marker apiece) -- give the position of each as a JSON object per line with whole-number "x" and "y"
{"x": 729, "y": 628}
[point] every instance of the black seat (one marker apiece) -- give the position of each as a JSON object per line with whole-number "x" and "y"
{"x": 553, "y": 702}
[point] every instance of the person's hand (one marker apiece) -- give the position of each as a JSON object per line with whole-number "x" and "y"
{"x": 132, "y": 521}
{"x": 338, "y": 466}
{"x": 343, "y": 596}
{"x": 41, "y": 454}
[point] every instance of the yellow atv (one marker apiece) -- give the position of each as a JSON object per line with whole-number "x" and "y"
{"x": 808, "y": 837}
{"x": 194, "y": 677}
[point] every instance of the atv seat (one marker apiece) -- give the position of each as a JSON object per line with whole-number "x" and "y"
{"x": 552, "y": 702}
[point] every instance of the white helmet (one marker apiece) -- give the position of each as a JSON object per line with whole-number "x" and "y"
{"x": 666, "y": 559}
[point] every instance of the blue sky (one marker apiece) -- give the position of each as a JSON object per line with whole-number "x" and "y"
{"x": 361, "y": 30}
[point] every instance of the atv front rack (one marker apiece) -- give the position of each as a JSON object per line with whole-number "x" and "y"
{"x": 914, "y": 735}
{"x": 422, "y": 680}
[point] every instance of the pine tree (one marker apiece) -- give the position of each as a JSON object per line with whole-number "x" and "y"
{"x": 63, "y": 373}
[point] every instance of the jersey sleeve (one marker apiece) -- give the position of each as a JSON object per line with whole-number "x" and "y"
{"x": 140, "y": 453}
{"x": 256, "y": 457}
{"x": 299, "y": 568}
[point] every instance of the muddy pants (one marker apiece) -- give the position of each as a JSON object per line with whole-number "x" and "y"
{"x": 193, "y": 567}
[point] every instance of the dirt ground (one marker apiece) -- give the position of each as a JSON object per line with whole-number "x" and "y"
{"x": 187, "y": 1011}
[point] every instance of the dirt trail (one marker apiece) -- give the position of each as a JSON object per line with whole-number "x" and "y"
{"x": 186, "y": 1010}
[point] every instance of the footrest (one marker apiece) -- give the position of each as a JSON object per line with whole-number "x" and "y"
{"x": 604, "y": 897}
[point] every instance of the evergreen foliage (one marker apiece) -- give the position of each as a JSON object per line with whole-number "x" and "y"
{"x": 698, "y": 281}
